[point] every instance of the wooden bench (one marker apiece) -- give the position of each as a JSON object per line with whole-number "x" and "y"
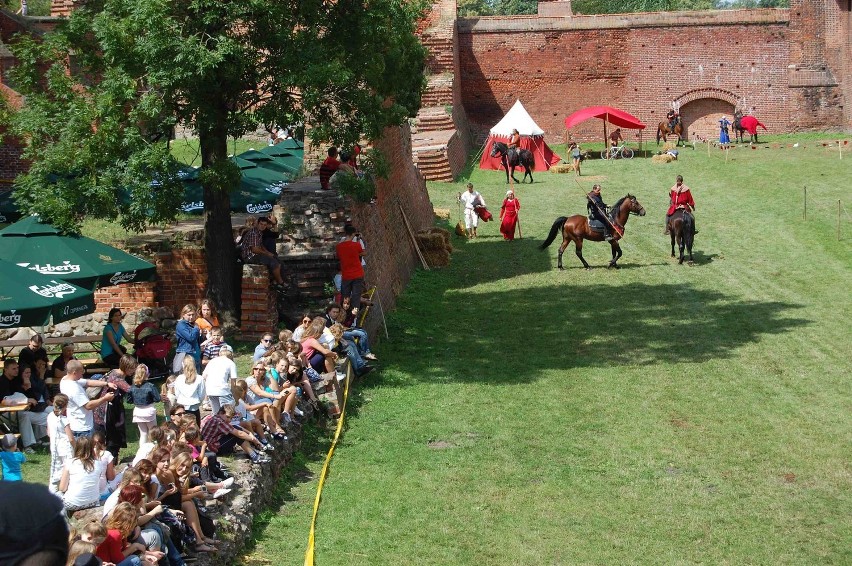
{"x": 87, "y": 349}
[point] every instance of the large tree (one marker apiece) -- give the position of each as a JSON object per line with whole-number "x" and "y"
{"x": 104, "y": 91}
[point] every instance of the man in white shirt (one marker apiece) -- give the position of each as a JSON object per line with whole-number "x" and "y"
{"x": 80, "y": 407}
{"x": 471, "y": 199}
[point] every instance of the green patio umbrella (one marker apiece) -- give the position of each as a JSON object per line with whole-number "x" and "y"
{"x": 258, "y": 192}
{"x": 285, "y": 167}
{"x": 30, "y": 299}
{"x": 290, "y": 158}
{"x": 76, "y": 259}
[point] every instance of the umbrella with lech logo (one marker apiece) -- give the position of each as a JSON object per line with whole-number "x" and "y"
{"x": 82, "y": 261}
{"x": 30, "y": 299}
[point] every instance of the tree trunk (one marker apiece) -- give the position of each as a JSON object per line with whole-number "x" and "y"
{"x": 222, "y": 277}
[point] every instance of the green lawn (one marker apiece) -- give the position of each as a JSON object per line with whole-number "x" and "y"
{"x": 657, "y": 414}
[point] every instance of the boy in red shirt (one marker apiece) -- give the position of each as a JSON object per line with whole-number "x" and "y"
{"x": 328, "y": 167}
{"x": 349, "y": 252}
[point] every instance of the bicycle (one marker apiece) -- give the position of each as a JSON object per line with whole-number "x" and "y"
{"x": 617, "y": 152}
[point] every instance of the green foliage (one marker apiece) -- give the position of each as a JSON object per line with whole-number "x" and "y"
{"x": 221, "y": 68}
{"x": 34, "y": 7}
{"x": 626, "y": 6}
{"x": 473, "y": 8}
{"x": 362, "y": 187}
{"x": 105, "y": 90}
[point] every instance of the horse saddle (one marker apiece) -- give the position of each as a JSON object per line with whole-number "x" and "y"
{"x": 596, "y": 225}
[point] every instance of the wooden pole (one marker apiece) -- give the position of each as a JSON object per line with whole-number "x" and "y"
{"x": 805, "y": 211}
{"x": 413, "y": 239}
{"x": 840, "y": 148}
{"x": 382, "y": 311}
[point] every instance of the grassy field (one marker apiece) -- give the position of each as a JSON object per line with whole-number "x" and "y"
{"x": 659, "y": 414}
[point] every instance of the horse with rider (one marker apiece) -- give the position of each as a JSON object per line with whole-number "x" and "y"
{"x": 672, "y": 125}
{"x": 603, "y": 224}
{"x": 512, "y": 155}
{"x": 680, "y": 221}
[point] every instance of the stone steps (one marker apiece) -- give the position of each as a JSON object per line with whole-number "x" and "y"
{"x": 433, "y": 164}
{"x": 433, "y": 120}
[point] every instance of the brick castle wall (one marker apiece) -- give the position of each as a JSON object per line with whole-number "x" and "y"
{"x": 706, "y": 61}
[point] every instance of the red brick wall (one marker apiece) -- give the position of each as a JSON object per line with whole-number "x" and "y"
{"x": 259, "y": 312}
{"x": 390, "y": 256}
{"x": 181, "y": 277}
{"x": 131, "y": 297}
{"x": 643, "y": 62}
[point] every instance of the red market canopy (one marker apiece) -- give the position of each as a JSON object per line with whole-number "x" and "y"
{"x": 614, "y": 116}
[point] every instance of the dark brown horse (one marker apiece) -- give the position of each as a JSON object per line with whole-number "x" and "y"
{"x": 576, "y": 229}
{"x": 738, "y": 126}
{"x": 519, "y": 157}
{"x": 682, "y": 229}
{"x": 664, "y": 131}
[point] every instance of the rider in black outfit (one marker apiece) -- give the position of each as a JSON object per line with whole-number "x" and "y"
{"x": 597, "y": 209}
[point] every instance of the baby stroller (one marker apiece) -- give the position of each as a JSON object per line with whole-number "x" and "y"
{"x": 152, "y": 348}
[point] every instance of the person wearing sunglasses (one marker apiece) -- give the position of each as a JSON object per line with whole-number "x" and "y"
{"x": 304, "y": 323}
{"x": 264, "y": 348}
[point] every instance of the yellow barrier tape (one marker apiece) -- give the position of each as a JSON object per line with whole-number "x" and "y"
{"x": 309, "y": 553}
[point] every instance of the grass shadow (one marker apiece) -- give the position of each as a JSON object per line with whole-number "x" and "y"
{"x": 567, "y": 326}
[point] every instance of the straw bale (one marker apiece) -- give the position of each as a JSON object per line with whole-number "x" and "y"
{"x": 437, "y": 258}
{"x": 669, "y": 145}
{"x": 562, "y": 168}
{"x": 664, "y": 158}
{"x": 428, "y": 241}
{"x": 442, "y": 213}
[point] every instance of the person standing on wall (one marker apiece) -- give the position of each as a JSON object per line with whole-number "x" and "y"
{"x": 349, "y": 252}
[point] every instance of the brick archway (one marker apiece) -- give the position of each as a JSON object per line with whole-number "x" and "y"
{"x": 702, "y": 108}
{"x": 699, "y": 93}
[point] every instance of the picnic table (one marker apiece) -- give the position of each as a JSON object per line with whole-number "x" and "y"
{"x": 8, "y": 412}
{"x": 87, "y": 349}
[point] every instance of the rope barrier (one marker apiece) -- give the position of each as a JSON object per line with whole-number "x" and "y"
{"x": 309, "y": 553}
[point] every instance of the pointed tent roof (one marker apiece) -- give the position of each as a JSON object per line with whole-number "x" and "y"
{"x": 517, "y": 117}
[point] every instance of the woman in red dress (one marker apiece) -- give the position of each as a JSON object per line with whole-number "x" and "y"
{"x": 509, "y": 215}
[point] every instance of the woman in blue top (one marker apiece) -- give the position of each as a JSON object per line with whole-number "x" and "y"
{"x": 187, "y": 334}
{"x": 114, "y": 333}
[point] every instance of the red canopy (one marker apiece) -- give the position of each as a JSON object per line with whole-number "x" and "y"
{"x": 612, "y": 115}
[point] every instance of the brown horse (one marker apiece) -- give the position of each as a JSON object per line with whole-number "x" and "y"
{"x": 664, "y": 131}
{"x": 576, "y": 229}
{"x": 682, "y": 230}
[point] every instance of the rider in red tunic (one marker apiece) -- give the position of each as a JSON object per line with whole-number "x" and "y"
{"x": 680, "y": 197}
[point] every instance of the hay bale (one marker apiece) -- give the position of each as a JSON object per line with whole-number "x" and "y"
{"x": 428, "y": 242}
{"x": 437, "y": 258}
{"x": 562, "y": 168}
{"x": 442, "y": 213}
{"x": 434, "y": 239}
{"x": 664, "y": 158}
{"x": 669, "y": 145}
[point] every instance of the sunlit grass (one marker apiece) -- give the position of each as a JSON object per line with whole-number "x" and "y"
{"x": 656, "y": 414}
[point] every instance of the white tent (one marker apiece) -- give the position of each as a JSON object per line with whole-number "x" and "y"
{"x": 532, "y": 138}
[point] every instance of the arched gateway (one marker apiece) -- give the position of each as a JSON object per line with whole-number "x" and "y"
{"x": 701, "y": 109}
